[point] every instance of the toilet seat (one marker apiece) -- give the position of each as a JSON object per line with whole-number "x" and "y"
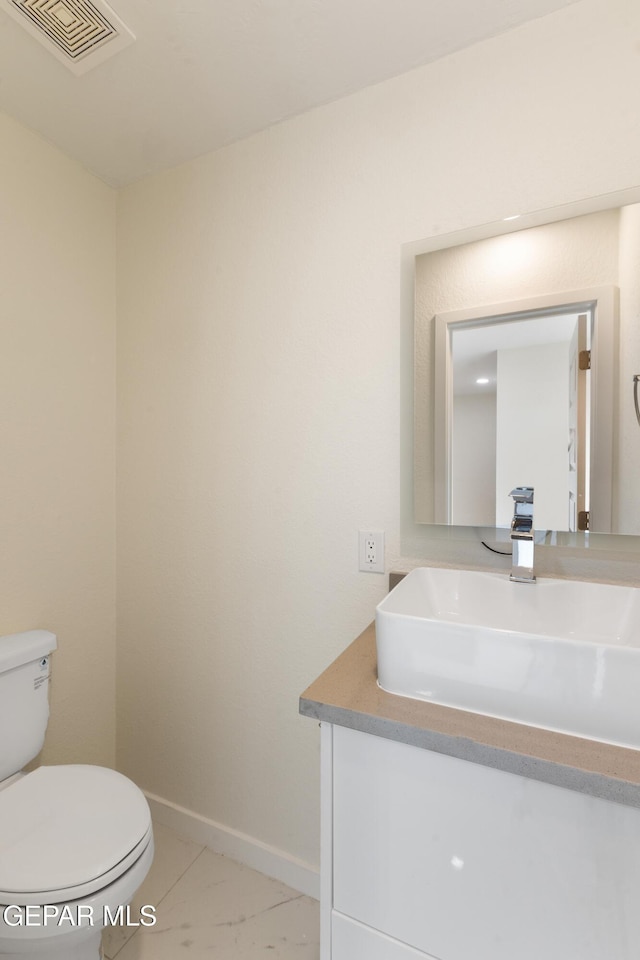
{"x": 67, "y": 831}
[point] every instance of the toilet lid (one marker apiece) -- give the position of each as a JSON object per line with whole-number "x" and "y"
{"x": 65, "y": 826}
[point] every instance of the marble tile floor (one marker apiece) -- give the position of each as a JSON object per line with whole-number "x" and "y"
{"x": 210, "y": 906}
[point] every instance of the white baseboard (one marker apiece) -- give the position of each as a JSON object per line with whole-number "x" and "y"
{"x": 253, "y": 853}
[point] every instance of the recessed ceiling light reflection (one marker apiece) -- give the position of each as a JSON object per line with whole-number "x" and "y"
{"x": 482, "y": 380}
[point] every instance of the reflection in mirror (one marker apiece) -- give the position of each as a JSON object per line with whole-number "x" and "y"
{"x": 505, "y": 309}
{"x": 541, "y": 418}
{"x": 519, "y": 417}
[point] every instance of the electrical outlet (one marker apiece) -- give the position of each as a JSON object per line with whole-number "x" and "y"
{"x": 371, "y": 550}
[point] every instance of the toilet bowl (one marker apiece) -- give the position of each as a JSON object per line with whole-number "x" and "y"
{"x": 76, "y": 840}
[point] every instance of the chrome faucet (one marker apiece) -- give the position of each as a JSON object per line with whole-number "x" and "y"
{"x": 522, "y": 535}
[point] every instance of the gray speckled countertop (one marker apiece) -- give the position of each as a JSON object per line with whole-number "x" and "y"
{"x": 347, "y": 694}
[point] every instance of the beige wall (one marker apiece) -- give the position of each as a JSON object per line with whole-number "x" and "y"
{"x": 57, "y": 406}
{"x": 473, "y": 458}
{"x": 627, "y": 515}
{"x": 259, "y": 386}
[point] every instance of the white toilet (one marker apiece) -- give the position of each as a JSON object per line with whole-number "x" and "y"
{"x": 75, "y": 841}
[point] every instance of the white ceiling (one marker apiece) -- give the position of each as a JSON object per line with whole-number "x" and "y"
{"x": 203, "y": 73}
{"x": 475, "y": 348}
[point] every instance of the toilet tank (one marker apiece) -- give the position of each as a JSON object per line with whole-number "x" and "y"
{"x": 24, "y": 697}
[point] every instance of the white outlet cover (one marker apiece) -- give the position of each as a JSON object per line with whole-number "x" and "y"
{"x": 366, "y": 563}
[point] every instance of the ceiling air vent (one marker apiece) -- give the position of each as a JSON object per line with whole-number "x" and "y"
{"x": 80, "y": 33}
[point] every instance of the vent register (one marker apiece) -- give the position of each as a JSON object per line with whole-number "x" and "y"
{"x": 80, "y": 33}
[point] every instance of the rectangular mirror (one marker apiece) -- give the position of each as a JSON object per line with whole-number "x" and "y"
{"x": 525, "y": 346}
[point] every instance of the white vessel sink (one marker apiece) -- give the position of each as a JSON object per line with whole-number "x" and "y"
{"x": 559, "y": 654}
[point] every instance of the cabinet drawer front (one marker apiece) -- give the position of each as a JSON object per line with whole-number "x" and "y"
{"x": 462, "y": 861}
{"x": 353, "y": 941}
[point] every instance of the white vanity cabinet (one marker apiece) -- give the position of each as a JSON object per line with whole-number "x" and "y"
{"x": 430, "y": 856}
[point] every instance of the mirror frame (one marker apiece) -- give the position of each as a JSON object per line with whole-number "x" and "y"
{"x": 604, "y": 302}
{"x": 416, "y": 539}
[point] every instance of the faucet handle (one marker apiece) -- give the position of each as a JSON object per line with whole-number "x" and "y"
{"x": 522, "y": 494}
{"x": 522, "y": 535}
